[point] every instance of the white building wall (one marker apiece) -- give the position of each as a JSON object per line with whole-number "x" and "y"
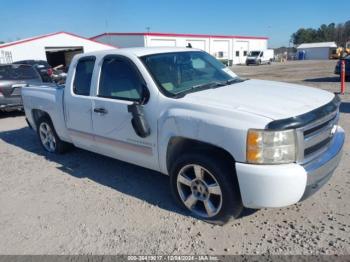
{"x": 35, "y": 49}
{"x": 316, "y": 53}
{"x": 227, "y": 46}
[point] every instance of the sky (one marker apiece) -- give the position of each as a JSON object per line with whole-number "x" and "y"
{"x": 276, "y": 19}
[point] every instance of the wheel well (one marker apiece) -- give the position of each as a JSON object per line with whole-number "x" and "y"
{"x": 37, "y": 114}
{"x": 179, "y": 145}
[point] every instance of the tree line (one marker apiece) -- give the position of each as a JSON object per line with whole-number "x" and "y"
{"x": 339, "y": 33}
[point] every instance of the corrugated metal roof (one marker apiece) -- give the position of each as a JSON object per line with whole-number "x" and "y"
{"x": 316, "y": 45}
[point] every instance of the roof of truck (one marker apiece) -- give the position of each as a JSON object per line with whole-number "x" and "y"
{"x": 142, "y": 51}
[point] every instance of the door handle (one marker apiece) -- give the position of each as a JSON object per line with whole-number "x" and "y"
{"x": 100, "y": 110}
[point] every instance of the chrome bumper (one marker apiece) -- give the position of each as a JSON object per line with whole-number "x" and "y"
{"x": 320, "y": 170}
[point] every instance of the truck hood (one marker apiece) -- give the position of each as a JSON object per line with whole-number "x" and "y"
{"x": 274, "y": 100}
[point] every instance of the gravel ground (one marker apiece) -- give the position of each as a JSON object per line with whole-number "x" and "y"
{"x": 83, "y": 203}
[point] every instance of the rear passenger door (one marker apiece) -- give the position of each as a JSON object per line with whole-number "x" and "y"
{"x": 78, "y": 103}
{"x": 120, "y": 84}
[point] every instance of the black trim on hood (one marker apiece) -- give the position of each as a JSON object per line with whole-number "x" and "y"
{"x": 307, "y": 118}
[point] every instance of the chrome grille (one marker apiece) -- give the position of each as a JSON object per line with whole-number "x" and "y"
{"x": 315, "y": 138}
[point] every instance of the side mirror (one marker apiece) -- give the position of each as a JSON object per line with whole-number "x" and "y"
{"x": 138, "y": 120}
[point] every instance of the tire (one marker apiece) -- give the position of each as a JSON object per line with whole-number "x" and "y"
{"x": 49, "y": 138}
{"x": 259, "y": 62}
{"x": 189, "y": 191}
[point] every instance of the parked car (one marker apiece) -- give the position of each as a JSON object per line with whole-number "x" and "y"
{"x": 12, "y": 78}
{"x": 43, "y": 68}
{"x": 347, "y": 67}
{"x": 260, "y": 57}
{"x": 226, "y": 143}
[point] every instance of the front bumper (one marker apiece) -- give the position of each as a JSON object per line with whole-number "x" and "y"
{"x": 251, "y": 62}
{"x": 282, "y": 185}
{"x": 10, "y": 103}
{"x": 10, "y": 107}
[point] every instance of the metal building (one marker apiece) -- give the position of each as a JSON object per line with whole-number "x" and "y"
{"x": 56, "y": 48}
{"x": 316, "y": 51}
{"x": 224, "y": 47}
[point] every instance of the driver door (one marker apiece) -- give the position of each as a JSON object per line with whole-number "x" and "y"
{"x": 120, "y": 84}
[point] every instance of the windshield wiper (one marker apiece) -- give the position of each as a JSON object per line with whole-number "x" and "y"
{"x": 225, "y": 83}
{"x": 213, "y": 84}
{"x": 196, "y": 87}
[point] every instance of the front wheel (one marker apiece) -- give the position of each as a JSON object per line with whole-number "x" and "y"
{"x": 207, "y": 187}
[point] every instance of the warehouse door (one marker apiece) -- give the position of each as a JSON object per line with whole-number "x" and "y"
{"x": 241, "y": 51}
{"x": 220, "y": 49}
{"x": 163, "y": 42}
{"x": 199, "y": 44}
{"x": 57, "y": 56}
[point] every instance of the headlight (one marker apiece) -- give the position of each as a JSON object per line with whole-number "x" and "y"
{"x": 271, "y": 147}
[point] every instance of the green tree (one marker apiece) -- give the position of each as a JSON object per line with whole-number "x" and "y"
{"x": 339, "y": 33}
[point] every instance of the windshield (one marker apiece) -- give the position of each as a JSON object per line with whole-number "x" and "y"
{"x": 17, "y": 72}
{"x": 183, "y": 72}
{"x": 254, "y": 53}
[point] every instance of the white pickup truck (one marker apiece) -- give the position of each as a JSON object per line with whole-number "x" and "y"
{"x": 225, "y": 142}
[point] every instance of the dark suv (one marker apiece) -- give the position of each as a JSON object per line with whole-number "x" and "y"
{"x": 12, "y": 78}
{"x": 43, "y": 68}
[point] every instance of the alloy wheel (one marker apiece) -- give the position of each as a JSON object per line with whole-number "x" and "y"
{"x": 199, "y": 190}
{"x": 47, "y": 137}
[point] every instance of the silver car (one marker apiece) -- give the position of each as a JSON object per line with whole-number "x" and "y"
{"x": 12, "y": 78}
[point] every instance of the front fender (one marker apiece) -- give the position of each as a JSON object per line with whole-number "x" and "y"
{"x": 225, "y": 130}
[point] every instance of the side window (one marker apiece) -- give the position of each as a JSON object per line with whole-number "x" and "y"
{"x": 119, "y": 80}
{"x": 262, "y": 54}
{"x": 237, "y": 53}
{"x": 83, "y": 75}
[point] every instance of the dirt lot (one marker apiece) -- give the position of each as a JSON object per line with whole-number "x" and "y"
{"x": 81, "y": 202}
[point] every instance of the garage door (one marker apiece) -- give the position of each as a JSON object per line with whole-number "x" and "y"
{"x": 220, "y": 48}
{"x": 163, "y": 42}
{"x": 199, "y": 44}
{"x": 240, "y": 51}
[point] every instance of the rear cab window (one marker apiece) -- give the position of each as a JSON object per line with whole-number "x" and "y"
{"x": 83, "y": 76}
{"x": 18, "y": 72}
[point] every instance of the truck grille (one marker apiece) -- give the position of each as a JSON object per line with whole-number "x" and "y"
{"x": 316, "y": 137}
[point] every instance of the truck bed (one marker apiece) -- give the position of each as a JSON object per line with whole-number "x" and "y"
{"x": 47, "y": 98}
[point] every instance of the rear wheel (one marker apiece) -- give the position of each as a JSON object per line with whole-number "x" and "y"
{"x": 206, "y": 187}
{"x": 49, "y": 138}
